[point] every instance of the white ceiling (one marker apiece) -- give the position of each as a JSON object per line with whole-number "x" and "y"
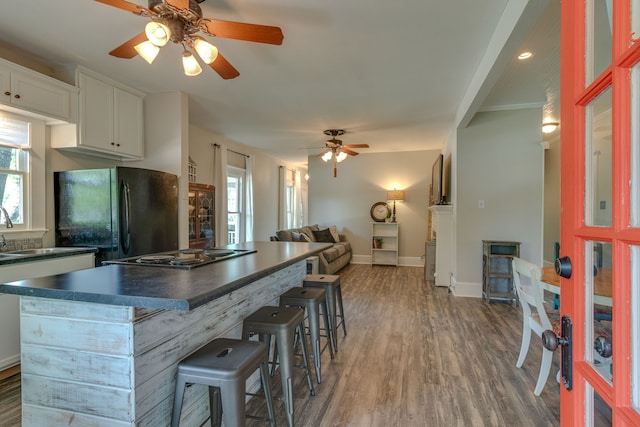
{"x": 393, "y": 75}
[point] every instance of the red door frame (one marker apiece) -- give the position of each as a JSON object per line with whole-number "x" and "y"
{"x": 574, "y": 232}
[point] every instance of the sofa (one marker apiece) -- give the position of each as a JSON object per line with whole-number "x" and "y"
{"x": 330, "y": 260}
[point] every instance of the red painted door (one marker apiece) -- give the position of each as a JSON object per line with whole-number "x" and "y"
{"x": 600, "y": 210}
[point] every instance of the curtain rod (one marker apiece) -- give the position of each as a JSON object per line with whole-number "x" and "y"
{"x": 236, "y": 152}
{"x": 284, "y": 167}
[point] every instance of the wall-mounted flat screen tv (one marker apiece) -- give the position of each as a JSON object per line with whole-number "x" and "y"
{"x": 440, "y": 180}
{"x": 436, "y": 180}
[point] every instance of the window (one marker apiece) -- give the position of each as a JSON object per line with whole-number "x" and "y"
{"x": 235, "y": 203}
{"x": 15, "y": 143}
{"x": 291, "y": 199}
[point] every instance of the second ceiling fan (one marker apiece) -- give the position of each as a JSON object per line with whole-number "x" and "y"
{"x": 180, "y": 21}
{"x": 336, "y": 150}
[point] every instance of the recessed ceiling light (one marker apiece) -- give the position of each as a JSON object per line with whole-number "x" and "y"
{"x": 525, "y": 55}
{"x": 549, "y": 127}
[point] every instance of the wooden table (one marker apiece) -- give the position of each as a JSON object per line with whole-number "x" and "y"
{"x": 601, "y": 283}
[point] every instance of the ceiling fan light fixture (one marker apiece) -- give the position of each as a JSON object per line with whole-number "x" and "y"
{"x": 190, "y": 64}
{"x": 327, "y": 156}
{"x": 158, "y": 33}
{"x": 147, "y": 50}
{"x": 341, "y": 156}
{"x": 207, "y": 52}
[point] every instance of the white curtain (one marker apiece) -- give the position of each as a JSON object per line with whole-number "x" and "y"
{"x": 248, "y": 199}
{"x": 220, "y": 182}
{"x": 282, "y": 198}
{"x": 299, "y": 208}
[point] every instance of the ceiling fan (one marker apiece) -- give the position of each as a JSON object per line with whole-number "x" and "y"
{"x": 181, "y": 21}
{"x": 334, "y": 148}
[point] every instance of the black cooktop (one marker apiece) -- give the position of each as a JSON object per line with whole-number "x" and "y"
{"x": 184, "y": 258}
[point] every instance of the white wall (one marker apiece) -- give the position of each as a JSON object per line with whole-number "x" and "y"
{"x": 166, "y": 139}
{"x": 499, "y": 161}
{"x": 265, "y": 176}
{"x": 551, "y": 201}
{"x": 363, "y": 180}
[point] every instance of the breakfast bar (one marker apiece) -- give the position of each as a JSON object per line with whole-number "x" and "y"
{"x": 100, "y": 346}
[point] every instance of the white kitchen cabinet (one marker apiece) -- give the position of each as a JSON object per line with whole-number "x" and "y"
{"x": 111, "y": 122}
{"x": 28, "y": 91}
{"x": 10, "y": 304}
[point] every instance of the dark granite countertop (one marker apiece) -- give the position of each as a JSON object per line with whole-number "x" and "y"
{"x": 167, "y": 288}
{"x": 40, "y": 254}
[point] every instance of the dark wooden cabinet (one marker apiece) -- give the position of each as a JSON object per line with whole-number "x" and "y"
{"x": 202, "y": 230}
{"x": 497, "y": 275}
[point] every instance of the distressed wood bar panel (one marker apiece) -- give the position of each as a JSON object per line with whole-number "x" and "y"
{"x": 88, "y": 364}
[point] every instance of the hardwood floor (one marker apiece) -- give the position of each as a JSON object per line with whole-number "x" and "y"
{"x": 414, "y": 356}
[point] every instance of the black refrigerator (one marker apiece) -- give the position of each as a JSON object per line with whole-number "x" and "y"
{"x": 122, "y": 211}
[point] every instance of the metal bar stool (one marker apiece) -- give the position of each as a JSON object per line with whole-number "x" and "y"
{"x": 311, "y": 299}
{"x": 224, "y": 365}
{"x": 331, "y": 284}
{"x": 281, "y": 323}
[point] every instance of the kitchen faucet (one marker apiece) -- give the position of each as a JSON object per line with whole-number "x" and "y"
{"x": 7, "y": 220}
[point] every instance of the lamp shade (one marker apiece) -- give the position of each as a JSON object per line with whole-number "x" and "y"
{"x": 207, "y": 52}
{"x": 157, "y": 33}
{"x": 190, "y": 64}
{"x": 147, "y": 50}
{"x": 395, "y": 195}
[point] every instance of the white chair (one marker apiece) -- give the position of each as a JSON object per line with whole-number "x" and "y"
{"x": 527, "y": 281}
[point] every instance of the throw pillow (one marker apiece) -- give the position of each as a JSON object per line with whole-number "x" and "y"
{"x": 284, "y": 235}
{"x": 324, "y": 236}
{"x": 307, "y": 231}
{"x": 334, "y": 233}
{"x": 299, "y": 237}
{"x": 305, "y": 238}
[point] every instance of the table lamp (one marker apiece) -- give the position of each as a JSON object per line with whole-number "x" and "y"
{"x": 395, "y": 195}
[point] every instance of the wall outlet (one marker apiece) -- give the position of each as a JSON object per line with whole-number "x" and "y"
{"x": 480, "y": 204}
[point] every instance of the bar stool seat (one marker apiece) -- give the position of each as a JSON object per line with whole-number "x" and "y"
{"x": 224, "y": 365}
{"x": 281, "y": 323}
{"x": 331, "y": 284}
{"x": 311, "y": 300}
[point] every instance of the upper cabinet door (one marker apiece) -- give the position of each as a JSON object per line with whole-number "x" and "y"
{"x": 26, "y": 90}
{"x": 35, "y": 93}
{"x": 128, "y": 123}
{"x": 96, "y": 113}
{"x": 111, "y": 118}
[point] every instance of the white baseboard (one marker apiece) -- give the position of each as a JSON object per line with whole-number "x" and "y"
{"x": 361, "y": 259}
{"x": 402, "y": 261}
{"x": 9, "y": 362}
{"x": 466, "y": 289}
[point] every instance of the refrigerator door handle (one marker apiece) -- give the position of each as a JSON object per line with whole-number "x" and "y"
{"x": 125, "y": 210}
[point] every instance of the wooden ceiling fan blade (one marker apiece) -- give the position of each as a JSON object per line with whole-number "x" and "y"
{"x": 179, "y": 4}
{"x": 357, "y": 145}
{"x": 122, "y": 4}
{"x": 350, "y": 152}
{"x": 246, "y": 32}
{"x": 224, "y": 68}
{"x": 127, "y": 49}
